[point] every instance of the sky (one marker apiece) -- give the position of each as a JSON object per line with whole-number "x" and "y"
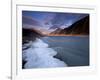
{"x": 49, "y": 21}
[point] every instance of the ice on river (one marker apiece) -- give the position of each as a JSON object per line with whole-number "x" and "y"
{"x": 39, "y": 55}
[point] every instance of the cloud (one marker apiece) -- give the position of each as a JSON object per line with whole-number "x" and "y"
{"x": 51, "y": 21}
{"x": 28, "y": 22}
{"x": 62, "y": 20}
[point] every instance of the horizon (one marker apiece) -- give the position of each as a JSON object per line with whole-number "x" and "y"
{"x": 47, "y": 22}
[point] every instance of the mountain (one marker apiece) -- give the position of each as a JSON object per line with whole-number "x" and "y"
{"x": 80, "y": 27}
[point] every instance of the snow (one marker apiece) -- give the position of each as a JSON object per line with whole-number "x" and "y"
{"x": 39, "y": 55}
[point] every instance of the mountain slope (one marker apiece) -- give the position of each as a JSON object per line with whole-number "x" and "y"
{"x": 80, "y": 27}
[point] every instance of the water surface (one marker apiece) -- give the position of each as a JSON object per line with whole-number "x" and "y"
{"x": 73, "y": 50}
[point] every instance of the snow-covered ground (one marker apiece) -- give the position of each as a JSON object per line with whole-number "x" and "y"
{"x": 39, "y": 55}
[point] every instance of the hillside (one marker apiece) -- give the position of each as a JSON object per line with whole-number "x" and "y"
{"x": 80, "y": 27}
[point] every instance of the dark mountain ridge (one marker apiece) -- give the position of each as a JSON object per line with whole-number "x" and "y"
{"x": 80, "y": 27}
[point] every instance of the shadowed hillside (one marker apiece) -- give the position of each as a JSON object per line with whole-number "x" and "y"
{"x": 80, "y": 27}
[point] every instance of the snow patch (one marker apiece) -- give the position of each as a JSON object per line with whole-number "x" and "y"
{"x": 39, "y": 55}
